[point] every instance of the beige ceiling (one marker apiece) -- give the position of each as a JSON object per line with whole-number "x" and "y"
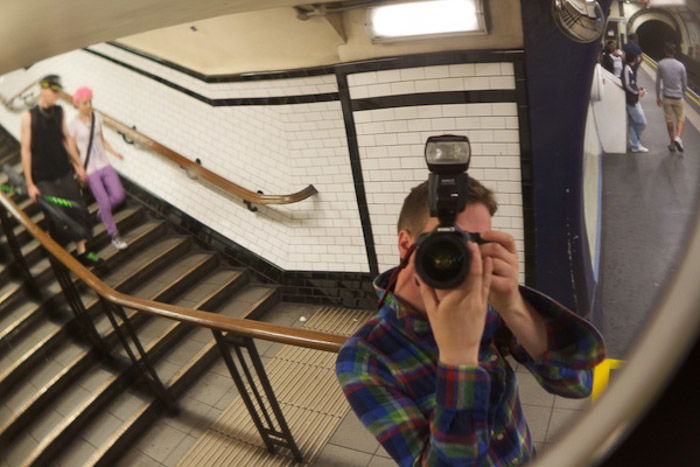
{"x": 31, "y": 30}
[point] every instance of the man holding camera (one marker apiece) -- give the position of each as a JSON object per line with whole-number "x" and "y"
{"x": 427, "y": 374}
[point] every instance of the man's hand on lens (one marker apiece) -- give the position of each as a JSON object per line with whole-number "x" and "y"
{"x": 457, "y": 316}
{"x": 500, "y": 247}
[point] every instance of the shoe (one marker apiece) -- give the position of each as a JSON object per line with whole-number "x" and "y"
{"x": 672, "y": 147}
{"x": 90, "y": 258}
{"x": 118, "y": 243}
{"x": 679, "y": 143}
{"x": 640, "y": 148}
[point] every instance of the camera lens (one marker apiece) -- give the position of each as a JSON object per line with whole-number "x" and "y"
{"x": 442, "y": 260}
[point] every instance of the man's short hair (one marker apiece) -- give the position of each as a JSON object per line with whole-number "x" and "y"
{"x": 670, "y": 48}
{"x": 415, "y": 210}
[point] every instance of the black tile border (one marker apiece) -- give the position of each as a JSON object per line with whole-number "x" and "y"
{"x": 346, "y": 289}
{"x": 234, "y": 101}
{"x": 526, "y": 164}
{"x": 230, "y": 77}
{"x": 434, "y": 98}
{"x": 357, "y": 176}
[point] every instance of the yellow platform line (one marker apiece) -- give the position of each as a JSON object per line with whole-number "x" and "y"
{"x": 601, "y": 375}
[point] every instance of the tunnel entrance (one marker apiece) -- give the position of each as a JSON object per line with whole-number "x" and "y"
{"x": 652, "y": 36}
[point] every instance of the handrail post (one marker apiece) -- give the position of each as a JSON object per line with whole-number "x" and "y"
{"x": 270, "y": 435}
{"x": 142, "y": 363}
{"x": 76, "y": 305}
{"x": 19, "y": 263}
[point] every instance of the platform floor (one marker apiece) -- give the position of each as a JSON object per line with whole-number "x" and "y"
{"x": 649, "y": 199}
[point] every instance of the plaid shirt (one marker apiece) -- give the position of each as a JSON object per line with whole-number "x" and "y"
{"x": 427, "y": 413}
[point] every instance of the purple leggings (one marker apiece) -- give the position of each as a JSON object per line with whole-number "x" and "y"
{"x": 108, "y": 192}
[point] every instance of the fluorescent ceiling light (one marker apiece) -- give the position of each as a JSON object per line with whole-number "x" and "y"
{"x": 427, "y": 17}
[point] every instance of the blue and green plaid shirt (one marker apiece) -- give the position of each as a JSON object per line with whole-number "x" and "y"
{"x": 427, "y": 413}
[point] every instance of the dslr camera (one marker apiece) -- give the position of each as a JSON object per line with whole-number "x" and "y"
{"x": 442, "y": 256}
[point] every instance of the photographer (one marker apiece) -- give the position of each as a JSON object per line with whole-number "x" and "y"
{"x": 427, "y": 374}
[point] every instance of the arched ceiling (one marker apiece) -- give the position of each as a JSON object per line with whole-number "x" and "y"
{"x": 31, "y": 30}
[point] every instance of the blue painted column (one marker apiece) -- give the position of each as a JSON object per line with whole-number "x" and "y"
{"x": 559, "y": 73}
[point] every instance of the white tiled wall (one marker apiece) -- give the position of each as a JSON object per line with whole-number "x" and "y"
{"x": 459, "y": 77}
{"x": 391, "y": 143}
{"x": 282, "y": 148}
{"x": 262, "y": 88}
{"x": 278, "y": 149}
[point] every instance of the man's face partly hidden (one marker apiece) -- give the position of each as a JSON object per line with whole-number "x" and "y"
{"x": 475, "y": 218}
{"x": 49, "y": 96}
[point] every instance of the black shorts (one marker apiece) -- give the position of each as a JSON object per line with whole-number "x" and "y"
{"x": 65, "y": 187}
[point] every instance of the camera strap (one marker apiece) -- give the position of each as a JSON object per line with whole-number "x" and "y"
{"x": 391, "y": 283}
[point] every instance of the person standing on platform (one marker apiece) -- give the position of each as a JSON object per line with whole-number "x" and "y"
{"x": 86, "y": 129}
{"x": 632, "y": 48}
{"x": 636, "y": 120}
{"x": 49, "y": 162}
{"x": 613, "y": 58}
{"x": 671, "y": 76}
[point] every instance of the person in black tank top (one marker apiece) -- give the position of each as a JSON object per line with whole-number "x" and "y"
{"x": 49, "y": 160}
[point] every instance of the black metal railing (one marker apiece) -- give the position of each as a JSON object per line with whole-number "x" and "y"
{"x": 262, "y": 406}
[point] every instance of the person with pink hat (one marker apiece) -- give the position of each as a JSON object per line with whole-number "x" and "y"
{"x": 86, "y": 130}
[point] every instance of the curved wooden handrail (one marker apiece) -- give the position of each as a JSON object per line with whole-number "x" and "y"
{"x": 211, "y": 177}
{"x": 8, "y": 102}
{"x": 190, "y": 166}
{"x": 244, "y": 327}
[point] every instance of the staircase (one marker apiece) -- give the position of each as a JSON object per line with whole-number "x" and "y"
{"x": 62, "y": 401}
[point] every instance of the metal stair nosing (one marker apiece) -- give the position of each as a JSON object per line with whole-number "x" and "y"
{"x": 82, "y": 362}
{"x": 62, "y": 433}
{"x": 177, "y": 385}
{"x": 11, "y": 375}
{"x": 263, "y": 304}
{"x": 44, "y": 396}
{"x": 21, "y": 233}
{"x": 115, "y": 447}
{"x": 45, "y": 275}
{"x": 128, "y": 283}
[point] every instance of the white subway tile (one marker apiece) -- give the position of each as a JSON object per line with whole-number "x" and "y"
{"x": 427, "y": 85}
{"x": 436, "y": 72}
{"x": 488, "y": 69}
{"x": 462, "y": 70}
{"x": 409, "y": 74}
{"x": 502, "y": 82}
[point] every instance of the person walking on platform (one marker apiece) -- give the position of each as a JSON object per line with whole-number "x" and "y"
{"x": 672, "y": 77}
{"x": 86, "y": 129}
{"x": 636, "y": 120}
{"x": 49, "y": 162}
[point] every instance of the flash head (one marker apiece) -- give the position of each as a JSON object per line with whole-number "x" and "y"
{"x": 448, "y": 154}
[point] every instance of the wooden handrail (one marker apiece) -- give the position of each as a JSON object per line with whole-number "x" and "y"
{"x": 244, "y": 327}
{"x": 8, "y": 102}
{"x": 190, "y": 166}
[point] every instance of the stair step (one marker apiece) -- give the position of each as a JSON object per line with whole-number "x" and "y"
{"x": 138, "y": 238}
{"x": 24, "y": 362}
{"x": 165, "y": 334}
{"x": 64, "y": 376}
{"x": 178, "y": 368}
